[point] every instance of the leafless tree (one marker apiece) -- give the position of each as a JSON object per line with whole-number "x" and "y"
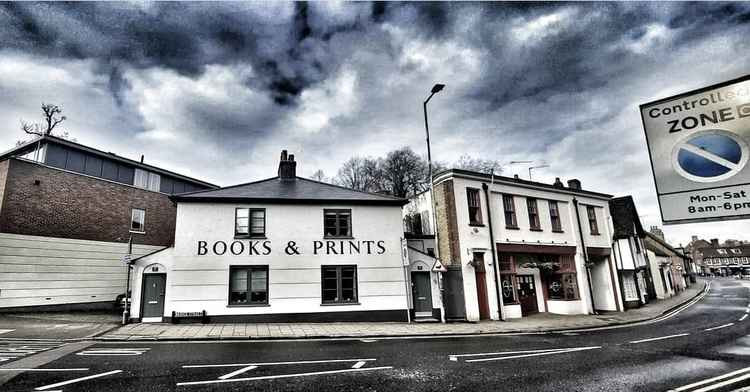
{"x": 360, "y": 173}
{"x": 487, "y": 166}
{"x": 404, "y": 173}
{"x": 51, "y": 119}
{"x": 319, "y": 176}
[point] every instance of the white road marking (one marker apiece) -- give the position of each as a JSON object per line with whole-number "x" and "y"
{"x": 75, "y": 380}
{"x": 723, "y": 383}
{"x": 659, "y": 338}
{"x": 44, "y": 370}
{"x": 283, "y": 376}
{"x": 533, "y": 355}
{"x": 236, "y": 372}
{"x": 743, "y": 317}
{"x": 515, "y": 352}
{"x": 2, "y": 331}
{"x": 710, "y": 380}
{"x": 719, "y": 327}
{"x": 358, "y": 365}
{"x": 113, "y": 351}
{"x": 279, "y": 363}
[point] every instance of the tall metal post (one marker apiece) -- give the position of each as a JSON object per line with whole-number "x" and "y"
{"x": 126, "y": 308}
{"x": 435, "y": 90}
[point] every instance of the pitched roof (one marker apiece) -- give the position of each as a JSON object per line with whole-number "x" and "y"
{"x": 299, "y": 190}
{"x": 714, "y": 252}
{"x": 625, "y": 217}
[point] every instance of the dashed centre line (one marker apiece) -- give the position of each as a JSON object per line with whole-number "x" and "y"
{"x": 719, "y": 327}
{"x": 659, "y": 338}
{"x": 743, "y": 317}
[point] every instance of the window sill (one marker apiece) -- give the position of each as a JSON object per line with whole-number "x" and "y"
{"x": 137, "y": 232}
{"x": 512, "y": 228}
{"x": 535, "y": 229}
{"x": 337, "y": 238}
{"x": 511, "y": 303}
{"x": 558, "y": 231}
{"x": 562, "y": 299}
{"x": 250, "y": 237}
{"x": 595, "y": 234}
{"x": 476, "y": 224}
{"x": 341, "y": 304}
{"x": 248, "y": 306}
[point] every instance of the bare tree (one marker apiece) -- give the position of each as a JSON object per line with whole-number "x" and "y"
{"x": 51, "y": 119}
{"x": 403, "y": 172}
{"x": 487, "y": 166}
{"x": 359, "y": 173}
{"x": 319, "y": 176}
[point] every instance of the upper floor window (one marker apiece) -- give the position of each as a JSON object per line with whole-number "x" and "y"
{"x": 554, "y": 216}
{"x": 337, "y": 223}
{"x": 475, "y": 209}
{"x": 722, "y": 251}
{"x": 736, "y": 251}
{"x": 138, "y": 220}
{"x": 637, "y": 244}
{"x": 147, "y": 180}
{"x": 592, "y": 220}
{"x": 250, "y": 222}
{"x": 533, "y": 214}
{"x": 510, "y": 212}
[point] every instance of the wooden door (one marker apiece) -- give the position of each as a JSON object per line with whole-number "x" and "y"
{"x": 421, "y": 294}
{"x": 152, "y": 303}
{"x": 527, "y": 294}
{"x": 484, "y": 305}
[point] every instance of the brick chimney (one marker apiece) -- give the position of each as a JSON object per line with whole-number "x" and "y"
{"x": 558, "y": 183}
{"x": 715, "y": 242}
{"x": 574, "y": 184}
{"x": 287, "y": 167}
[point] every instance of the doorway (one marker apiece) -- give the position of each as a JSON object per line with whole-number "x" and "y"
{"x": 484, "y": 305}
{"x": 421, "y": 294}
{"x": 152, "y": 297}
{"x": 527, "y": 294}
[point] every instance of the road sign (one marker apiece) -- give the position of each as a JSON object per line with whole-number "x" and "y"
{"x": 126, "y": 259}
{"x": 438, "y": 267}
{"x": 698, "y": 145}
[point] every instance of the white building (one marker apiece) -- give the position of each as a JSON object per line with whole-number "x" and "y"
{"x": 514, "y": 247}
{"x": 280, "y": 249}
{"x": 630, "y": 256}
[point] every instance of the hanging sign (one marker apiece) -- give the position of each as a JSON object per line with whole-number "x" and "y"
{"x": 698, "y": 146}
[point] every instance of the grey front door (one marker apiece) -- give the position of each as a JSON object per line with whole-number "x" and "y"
{"x": 422, "y": 293}
{"x": 154, "y": 286}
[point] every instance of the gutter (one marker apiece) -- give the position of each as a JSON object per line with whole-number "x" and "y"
{"x": 585, "y": 256}
{"x": 493, "y": 250}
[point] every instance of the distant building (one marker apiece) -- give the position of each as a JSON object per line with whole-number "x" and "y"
{"x": 670, "y": 268}
{"x": 67, "y": 212}
{"x": 727, "y": 260}
{"x": 657, "y": 231}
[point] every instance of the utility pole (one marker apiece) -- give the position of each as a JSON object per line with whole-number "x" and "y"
{"x": 126, "y": 259}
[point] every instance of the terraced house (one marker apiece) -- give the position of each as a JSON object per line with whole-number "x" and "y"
{"x": 513, "y": 248}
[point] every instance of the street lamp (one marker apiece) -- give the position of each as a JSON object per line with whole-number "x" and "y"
{"x": 435, "y": 89}
{"x": 536, "y": 167}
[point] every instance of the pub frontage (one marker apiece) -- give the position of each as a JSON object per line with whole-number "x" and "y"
{"x": 277, "y": 250}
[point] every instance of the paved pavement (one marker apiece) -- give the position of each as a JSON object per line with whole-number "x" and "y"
{"x": 697, "y": 348}
{"x": 56, "y": 326}
{"x": 537, "y": 323}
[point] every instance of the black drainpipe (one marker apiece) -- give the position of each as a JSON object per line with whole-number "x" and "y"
{"x": 492, "y": 250}
{"x": 585, "y": 256}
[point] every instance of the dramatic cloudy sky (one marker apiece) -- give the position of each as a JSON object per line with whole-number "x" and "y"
{"x": 216, "y": 90}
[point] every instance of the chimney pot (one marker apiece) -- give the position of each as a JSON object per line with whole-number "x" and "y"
{"x": 141, "y": 158}
{"x": 287, "y": 166}
{"x": 558, "y": 183}
{"x": 515, "y": 176}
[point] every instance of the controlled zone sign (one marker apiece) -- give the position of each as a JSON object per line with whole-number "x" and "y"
{"x": 698, "y": 145}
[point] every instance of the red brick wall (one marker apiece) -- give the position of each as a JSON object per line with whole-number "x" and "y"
{"x": 447, "y": 223}
{"x": 69, "y": 205}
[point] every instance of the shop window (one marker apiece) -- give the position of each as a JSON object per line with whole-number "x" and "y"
{"x": 507, "y": 289}
{"x": 592, "y": 220}
{"x": 533, "y": 214}
{"x": 554, "y": 216}
{"x": 337, "y": 223}
{"x": 562, "y": 287}
{"x": 250, "y": 222}
{"x": 137, "y": 220}
{"x": 510, "y": 212}
{"x": 248, "y": 285}
{"x": 475, "y": 209}
{"x": 628, "y": 286}
{"x": 339, "y": 284}
{"x": 505, "y": 263}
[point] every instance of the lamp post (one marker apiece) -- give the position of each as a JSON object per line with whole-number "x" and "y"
{"x": 536, "y": 167}
{"x": 435, "y": 89}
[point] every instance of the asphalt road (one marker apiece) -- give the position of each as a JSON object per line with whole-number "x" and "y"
{"x": 706, "y": 340}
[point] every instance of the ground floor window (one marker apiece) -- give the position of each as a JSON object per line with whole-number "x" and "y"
{"x": 562, "y": 286}
{"x": 339, "y": 284}
{"x": 248, "y": 285}
{"x": 628, "y": 286}
{"x": 507, "y": 289}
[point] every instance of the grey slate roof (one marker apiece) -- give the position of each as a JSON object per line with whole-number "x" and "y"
{"x": 714, "y": 252}
{"x": 625, "y": 218}
{"x": 300, "y": 190}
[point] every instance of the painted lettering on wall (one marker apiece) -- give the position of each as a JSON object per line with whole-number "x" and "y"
{"x": 291, "y": 248}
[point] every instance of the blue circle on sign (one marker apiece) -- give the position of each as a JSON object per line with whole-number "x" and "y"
{"x": 711, "y": 155}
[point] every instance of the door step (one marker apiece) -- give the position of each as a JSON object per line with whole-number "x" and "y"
{"x": 426, "y": 320}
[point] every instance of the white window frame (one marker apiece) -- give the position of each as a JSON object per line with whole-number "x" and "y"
{"x": 143, "y": 220}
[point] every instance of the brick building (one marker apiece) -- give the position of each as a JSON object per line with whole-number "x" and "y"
{"x": 67, "y": 212}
